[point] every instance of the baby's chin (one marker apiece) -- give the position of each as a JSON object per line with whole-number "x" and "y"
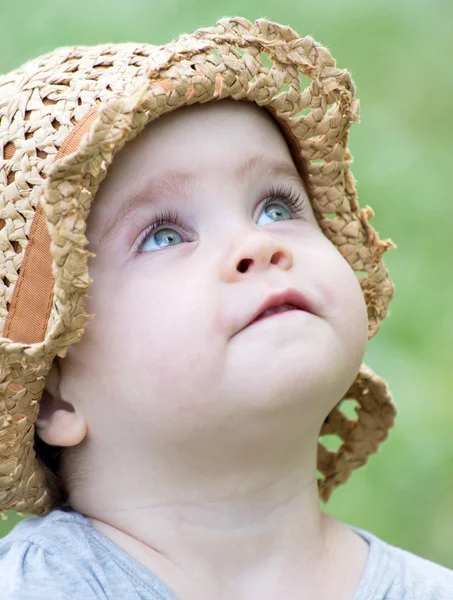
{"x": 294, "y": 375}
{"x": 284, "y": 385}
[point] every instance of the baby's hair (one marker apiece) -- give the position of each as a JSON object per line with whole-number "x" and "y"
{"x": 49, "y": 457}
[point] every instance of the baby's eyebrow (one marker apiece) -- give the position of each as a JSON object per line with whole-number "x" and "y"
{"x": 181, "y": 182}
{"x": 258, "y": 162}
{"x": 178, "y": 182}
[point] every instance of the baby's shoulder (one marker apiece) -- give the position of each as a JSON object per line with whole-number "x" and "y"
{"x": 61, "y": 556}
{"x": 43, "y": 555}
{"x": 61, "y": 534}
{"x": 398, "y": 574}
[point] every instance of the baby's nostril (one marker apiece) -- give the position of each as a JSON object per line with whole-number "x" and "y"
{"x": 244, "y": 264}
{"x": 276, "y": 258}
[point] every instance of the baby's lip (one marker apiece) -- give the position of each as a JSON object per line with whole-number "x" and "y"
{"x": 289, "y": 296}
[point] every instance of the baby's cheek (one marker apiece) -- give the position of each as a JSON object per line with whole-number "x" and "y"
{"x": 343, "y": 294}
{"x": 172, "y": 353}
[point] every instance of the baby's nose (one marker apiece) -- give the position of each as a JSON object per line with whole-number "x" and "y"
{"x": 256, "y": 251}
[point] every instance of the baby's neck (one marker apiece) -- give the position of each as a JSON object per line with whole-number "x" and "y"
{"x": 274, "y": 544}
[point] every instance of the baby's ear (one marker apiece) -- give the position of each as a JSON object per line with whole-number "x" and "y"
{"x": 58, "y": 422}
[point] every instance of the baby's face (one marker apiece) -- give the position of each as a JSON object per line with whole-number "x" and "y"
{"x": 199, "y": 221}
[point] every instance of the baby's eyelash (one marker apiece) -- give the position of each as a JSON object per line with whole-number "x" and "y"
{"x": 166, "y": 217}
{"x": 297, "y": 204}
{"x": 295, "y": 201}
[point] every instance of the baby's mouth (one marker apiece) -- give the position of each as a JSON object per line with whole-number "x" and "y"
{"x": 286, "y": 301}
{"x": 273, "y": 311}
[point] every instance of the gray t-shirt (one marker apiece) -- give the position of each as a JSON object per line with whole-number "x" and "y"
{"x": 62, "y": 557}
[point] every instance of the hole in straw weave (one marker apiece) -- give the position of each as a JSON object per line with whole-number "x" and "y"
{"x": 329, "y": 216}
{"x": 303, "y": 113}
{"x": 304, "y": 81}
{"x": 331, "y": 442}
{"x": 239, "y": 52}
{"x": 215, "y": 54}
{"x": 363, "y": 274}
{"x": 16, "y": 246}
{"x": 267, "y": 60}
{"x": 285, "y": 88}
{"x": 8, "y": 150}
{"x": 349, "y": 408}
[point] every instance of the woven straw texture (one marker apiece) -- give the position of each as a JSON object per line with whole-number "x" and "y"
{"x": 63, "y": 117}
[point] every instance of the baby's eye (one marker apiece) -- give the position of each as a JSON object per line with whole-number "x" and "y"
{"x": 275, "y": 211}
{"x": 162, "y": 239}
{"x": 281, "y": 205}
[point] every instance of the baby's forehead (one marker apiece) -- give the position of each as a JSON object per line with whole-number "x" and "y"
{"x": 192, "y": 143}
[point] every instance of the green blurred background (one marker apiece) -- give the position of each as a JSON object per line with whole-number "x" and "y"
{"x": 400, "y": 54}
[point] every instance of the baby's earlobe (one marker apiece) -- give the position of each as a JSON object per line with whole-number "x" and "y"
{"x": 58, "y": 422}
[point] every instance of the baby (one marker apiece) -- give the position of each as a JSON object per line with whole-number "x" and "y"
{"x": 173, "y": 450}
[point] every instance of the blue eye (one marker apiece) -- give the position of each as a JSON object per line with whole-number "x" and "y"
{"x": 274, "y": 212}
{"x": 281, "y": 204}
{"x": 157, "y": 236}
{"x": 162, "y": 239}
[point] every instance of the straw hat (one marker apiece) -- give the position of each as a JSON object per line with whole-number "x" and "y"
{"x": 63, "y": 117}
